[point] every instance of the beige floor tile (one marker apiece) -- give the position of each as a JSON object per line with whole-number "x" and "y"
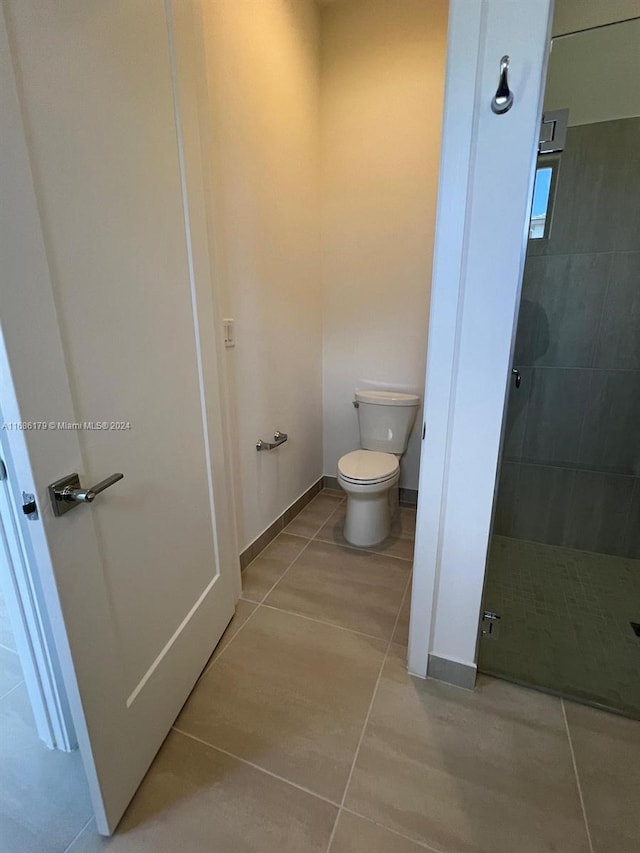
{"x": 244, "y": 609}
{"x": 270, "y": 565}
{"x": 401, "y": 634}
{"x": 198, "y": 800}
{"x": 488, "y": 771}
{"x": 313, "y": 516}
{"x": 607, "y": 751}
{"x": 10, "y": 671}
{"x": 290, "y": 695}
{"x": 357, "y": 835}
{"x": 398, "y": 544}
{"x": 44, "y": 799}
{"x": 346, "y": 587}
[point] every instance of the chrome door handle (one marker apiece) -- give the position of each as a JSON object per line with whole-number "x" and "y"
{"x": 66, "y": 492}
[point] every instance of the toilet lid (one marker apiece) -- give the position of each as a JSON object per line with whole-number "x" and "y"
{"x": 367, "y": 466}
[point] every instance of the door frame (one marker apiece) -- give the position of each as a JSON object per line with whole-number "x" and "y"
{"x": 484, "y": 200}
{"x": 29, "y": 622}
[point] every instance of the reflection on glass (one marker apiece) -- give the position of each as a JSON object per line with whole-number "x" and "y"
{"x": 539, "y": 208}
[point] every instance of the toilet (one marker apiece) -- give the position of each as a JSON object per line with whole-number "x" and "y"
{"x": 370, "y": 475}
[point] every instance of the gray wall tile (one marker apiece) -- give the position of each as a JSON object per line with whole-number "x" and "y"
{"x": 557, "y": 404}
{"x": 542, "y": 503}
{"x": 610, "y": 439}
{"x": 619, "y": 338}
{"x": 587, "y": 213}
{"x": 578, "y": 349}
{"x": 561, "y": 308}
{"x": 628, "y": 230}
{"x": 599, "y": 511}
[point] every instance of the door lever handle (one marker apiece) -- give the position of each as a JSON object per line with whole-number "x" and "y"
{"x": 66, "y": 493}
{"x": 89, "y": 495}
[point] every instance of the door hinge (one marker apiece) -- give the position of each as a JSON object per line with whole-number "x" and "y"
{"x": 489, "y": 624}
{"x": 553, "y": 131}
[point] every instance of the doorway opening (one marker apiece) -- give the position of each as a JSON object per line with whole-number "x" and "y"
{"x": 44, "y": 797}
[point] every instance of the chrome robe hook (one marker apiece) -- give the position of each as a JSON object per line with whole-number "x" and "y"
{"x": 503, "y": 99}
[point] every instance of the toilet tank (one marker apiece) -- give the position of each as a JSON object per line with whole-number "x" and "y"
{"x": 386, "y": 419}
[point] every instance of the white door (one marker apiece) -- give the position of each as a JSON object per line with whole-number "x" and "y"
{"x": 108, "y": 318}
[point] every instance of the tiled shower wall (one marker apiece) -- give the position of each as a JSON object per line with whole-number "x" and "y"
{"x": 571, "y": 469}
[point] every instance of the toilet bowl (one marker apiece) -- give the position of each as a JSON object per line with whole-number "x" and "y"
{"x": 370, "y": 480}
{"x": 370, "y": 475}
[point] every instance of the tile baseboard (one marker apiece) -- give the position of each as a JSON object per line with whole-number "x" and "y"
{"x": 408, "y": 497}
{"x": 452, "y": 672}
{"x": 260, "y": 543}
{"x": 331, "y": 483}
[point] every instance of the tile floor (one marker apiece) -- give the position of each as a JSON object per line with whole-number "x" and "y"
{"x": 44, "y": 799}
{"x": 305, "y": 732}
{"x": 565, "y": 622}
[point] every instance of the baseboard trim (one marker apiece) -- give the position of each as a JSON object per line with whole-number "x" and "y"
{"x": 331, "y": 483}
{"x": 452, "y": 672}
{"x": 260, "y": 543}
{"x": 408, "y": 497}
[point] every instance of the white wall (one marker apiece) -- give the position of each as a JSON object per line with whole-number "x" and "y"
{"x": 264, "y": 99}
{"x": 596, "y": 73}
{"x": 572, "y": 15}
{"x": 382, "y": 70}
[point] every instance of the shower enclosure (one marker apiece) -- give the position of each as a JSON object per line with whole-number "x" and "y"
{"x": 562, "y": 591}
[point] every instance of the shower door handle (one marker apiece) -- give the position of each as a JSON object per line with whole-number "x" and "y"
{"x": 502, "y": 101}
{"x": 517, "y": 376}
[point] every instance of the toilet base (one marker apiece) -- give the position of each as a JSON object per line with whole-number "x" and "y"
{"x": 370, "y": 511}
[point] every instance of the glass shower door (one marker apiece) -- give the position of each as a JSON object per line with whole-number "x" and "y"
{"x": 563, "y": 577}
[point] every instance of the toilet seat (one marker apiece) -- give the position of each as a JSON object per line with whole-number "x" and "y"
{"x": 367, "y": 467}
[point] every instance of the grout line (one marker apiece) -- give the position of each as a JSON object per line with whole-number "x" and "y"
{"x": 575, "y": 770}
{"x": 351, "y": 547}
{"x": 262, "y": 603}
{"x": 275, "y": 522}
{"x": 256, "y": 766}
{"x": 359, "y": 550}
{"x": 392, "y": 831}
{"x": 322, "y": 622}
{"x": 222, "y": 651}
{"x": 589, "y": 30}
{"x": 273, "y": 586}
{"x": 297, "y": 535}
{"x": 326, "y": 521}
{"x": 76, "y": 837}
{"x": 8, "y": 649}
{"x": 366, "y": 719}
{"x": 302, "y": 788}
{"x": 251, "y": 615}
